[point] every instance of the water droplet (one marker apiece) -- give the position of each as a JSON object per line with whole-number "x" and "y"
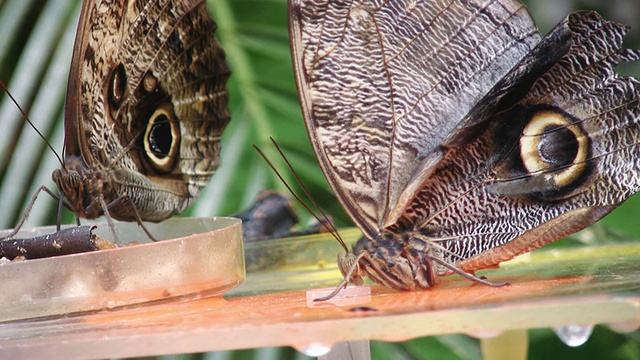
{"x": 574, "y": 335}
{"x": 314, "y": 349}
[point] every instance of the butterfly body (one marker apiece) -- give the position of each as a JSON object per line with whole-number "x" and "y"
{"x": 146, "y": 107}
{"x": 456, "y": 137}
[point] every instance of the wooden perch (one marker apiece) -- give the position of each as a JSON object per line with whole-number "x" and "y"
{"x": 67, "y": 241}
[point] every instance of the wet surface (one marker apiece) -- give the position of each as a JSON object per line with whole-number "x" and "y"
{"x": 553, "y": 288}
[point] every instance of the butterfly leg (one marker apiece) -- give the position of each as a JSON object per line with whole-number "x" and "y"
{"x": 424, "y": 274}
{"x": 401, "y": 278}
{"x": 465, "y": 274}
{"x": 112, "y": 226}
{"x": 126, "y": 200}
{"x": 27, "y": 211}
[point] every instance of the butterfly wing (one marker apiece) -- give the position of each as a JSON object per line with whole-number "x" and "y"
{"x": 147, "y": 101}
{"x": 562, "y": 155}
{"x": 453, "y": 134}
{"x": 73, "y": 106}
{"x": 382, "y": 84}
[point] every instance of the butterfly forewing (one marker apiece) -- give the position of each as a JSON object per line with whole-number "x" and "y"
{"x": 382, "y": 83}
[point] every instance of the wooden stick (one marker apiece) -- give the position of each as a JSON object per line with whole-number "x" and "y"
{"x": 67, "y": 241}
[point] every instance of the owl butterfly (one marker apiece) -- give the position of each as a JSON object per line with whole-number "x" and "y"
{"x": 146, "y": 106}
{"x": 455, "y": 136}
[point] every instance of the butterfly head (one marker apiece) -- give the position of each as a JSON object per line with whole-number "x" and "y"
{"x": 78, "y": 192}
{"x": 350, "y": 268}
{"x": 401, "y": 265}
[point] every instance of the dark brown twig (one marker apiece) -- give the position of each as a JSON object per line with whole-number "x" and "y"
{"x": 67, "y": 241}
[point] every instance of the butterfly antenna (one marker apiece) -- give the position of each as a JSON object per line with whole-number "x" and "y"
{"x": 326, "y": 223}
{"x": 125, "y": 150}
{"x": 25, "y": 117}
{"x": 329, "y": 225}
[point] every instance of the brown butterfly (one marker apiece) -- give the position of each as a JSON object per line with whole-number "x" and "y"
{"x": 145, "y": 110}
{"x": 457, "y": 137}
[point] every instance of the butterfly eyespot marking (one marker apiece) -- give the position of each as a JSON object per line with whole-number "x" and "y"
{"x": 117, "y": 86}
{"x": 552, "y": 143}
{"x": 162, "y": 139}
{"x": 149, "y": 83}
